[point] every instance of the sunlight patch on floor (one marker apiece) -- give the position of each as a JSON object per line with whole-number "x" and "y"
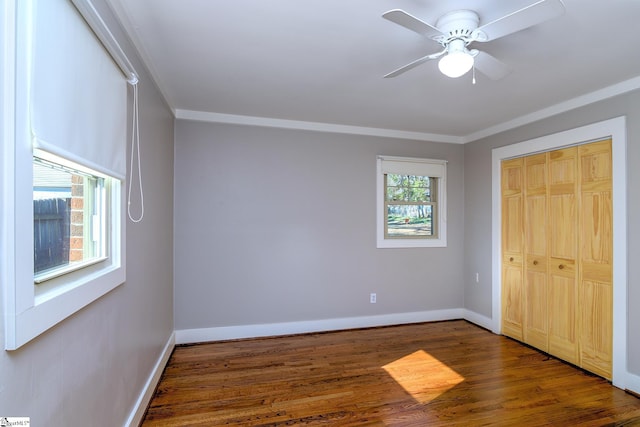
{"x": 423, "y": 376}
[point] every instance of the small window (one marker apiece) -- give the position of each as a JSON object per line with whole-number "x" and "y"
{"x": 69, "y": 219}
{"x": 411, "y": 202}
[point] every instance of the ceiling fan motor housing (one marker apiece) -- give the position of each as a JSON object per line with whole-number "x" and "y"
{"x": 458, "y": 24}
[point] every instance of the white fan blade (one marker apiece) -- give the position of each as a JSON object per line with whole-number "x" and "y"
{"x": 401, "y": 17}
{"x": 490, "y": 66}
{"x": 414, "y": 64}
{"x": 538, "y": 12}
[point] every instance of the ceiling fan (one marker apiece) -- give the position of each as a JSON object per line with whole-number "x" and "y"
{"x": 456, "y": 30}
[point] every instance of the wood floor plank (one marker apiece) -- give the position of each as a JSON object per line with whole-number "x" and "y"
{"x": 429, "y": 374}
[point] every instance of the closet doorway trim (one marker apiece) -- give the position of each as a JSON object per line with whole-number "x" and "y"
{"x": 615, "y": 129}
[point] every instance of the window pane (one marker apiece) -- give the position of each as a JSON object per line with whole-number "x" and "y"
{"x": 409, "y": 220}
{"x": 68, "y": 218}
{"x": 408, "y": 188}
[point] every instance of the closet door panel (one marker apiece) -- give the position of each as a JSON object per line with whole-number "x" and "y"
{"x": 512, "y": 298}
{"x": 535, "y": 328}
{"x": 563, "y": 229}
{"x": 536, "y": 225}
{"x": 512, "y": 248}
{"x": 596, "y": 258}
{"x": 512, "y": 232}
{"x": 536, "y": 318}
{"x": 595, "y": 340}
{"x": 563, "y": 254}
{"x": 562, "y": 318}
{"x": 596, "y": 233}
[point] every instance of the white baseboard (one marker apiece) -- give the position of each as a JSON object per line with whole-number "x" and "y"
{"x": 189, "y": 336}
{"x": 633, "y": 383}
{"x": 137, "y": 413}
{"x": 479, "y": 319}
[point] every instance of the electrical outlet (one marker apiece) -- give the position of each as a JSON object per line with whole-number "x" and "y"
{"x": 372, "y": 298}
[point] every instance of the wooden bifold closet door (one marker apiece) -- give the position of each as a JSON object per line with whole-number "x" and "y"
{"x": 557, "y": 253}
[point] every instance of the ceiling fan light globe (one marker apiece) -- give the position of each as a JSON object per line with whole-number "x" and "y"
{"x": 455, "y": 64}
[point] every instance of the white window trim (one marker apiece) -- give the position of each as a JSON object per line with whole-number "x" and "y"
{"x": 441, "y": 217}
{"x": 28, "y": 313}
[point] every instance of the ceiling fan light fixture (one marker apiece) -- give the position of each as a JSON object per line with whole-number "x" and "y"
{"x": 455, "y": 64}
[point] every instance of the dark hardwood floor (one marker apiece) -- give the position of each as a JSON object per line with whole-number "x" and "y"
{"x": 431, "y": 374}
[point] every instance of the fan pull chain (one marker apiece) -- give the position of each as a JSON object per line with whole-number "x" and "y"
{"x": 473, "y": 79}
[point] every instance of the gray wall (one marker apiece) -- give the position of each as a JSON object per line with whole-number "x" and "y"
{"x": 271, "y": 225}
{"x": 90, "y": 369}
{"x": 477, "y": 215}
{"x": 276, "y": 225}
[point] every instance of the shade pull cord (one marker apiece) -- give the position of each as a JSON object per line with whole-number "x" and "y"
{"x": 135, "y": 152}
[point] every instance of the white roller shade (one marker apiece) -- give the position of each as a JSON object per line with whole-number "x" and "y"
{"x": 78, "y": 94}
{"x": 413, "y": 166}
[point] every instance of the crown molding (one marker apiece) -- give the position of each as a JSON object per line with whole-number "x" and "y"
{"x": 203, "y": 116}
{"x": 571, "y": 104}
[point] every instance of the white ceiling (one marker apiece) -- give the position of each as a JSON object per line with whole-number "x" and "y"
{"x": 322, "y": 61}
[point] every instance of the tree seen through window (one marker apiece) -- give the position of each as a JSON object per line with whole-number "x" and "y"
{"x": 410, "y": 206}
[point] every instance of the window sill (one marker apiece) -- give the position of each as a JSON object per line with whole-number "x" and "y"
{"x": 411, "y": 243}
{"x": 53, "y": 307}
{"x": 41, "y": 278}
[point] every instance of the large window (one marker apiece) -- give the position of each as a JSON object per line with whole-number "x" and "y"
{"x": 63, "y": 157}
{"x": 411, "y": 208}
{"x": 70, "y": 219}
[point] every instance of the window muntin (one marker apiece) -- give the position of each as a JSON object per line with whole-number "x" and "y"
{"x": 70, "y": 218}
{"x": 410, "y": 205}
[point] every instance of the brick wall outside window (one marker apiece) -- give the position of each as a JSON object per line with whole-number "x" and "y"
{"x": 76, "y": 250}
